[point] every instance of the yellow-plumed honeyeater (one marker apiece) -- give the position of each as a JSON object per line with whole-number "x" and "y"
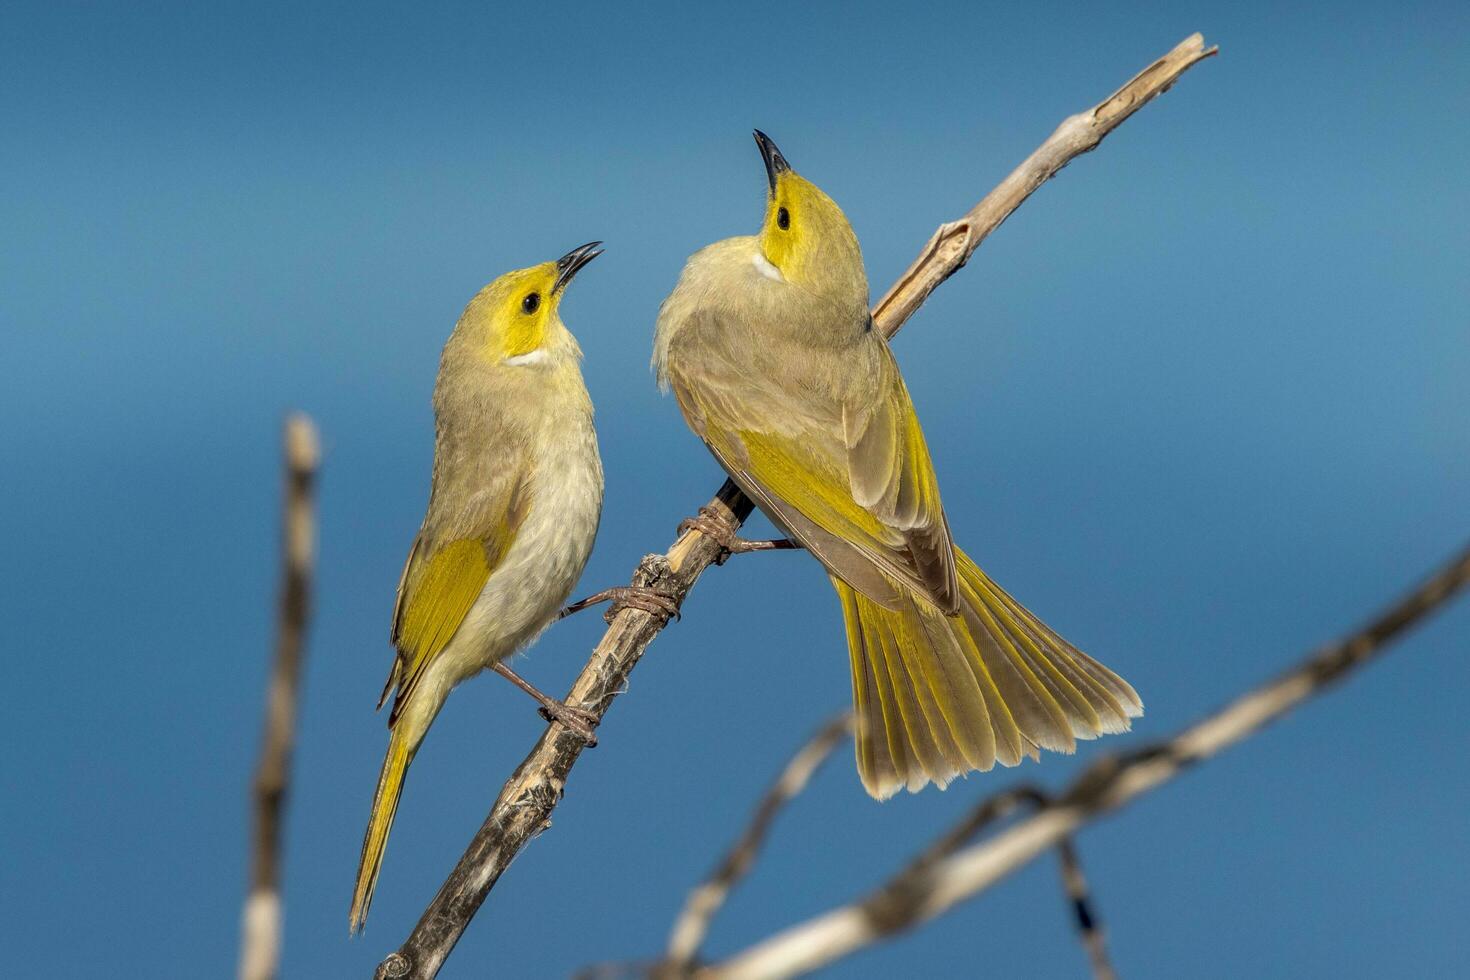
{"x": 770, "y": 350}
{"x": 513, "y": 510}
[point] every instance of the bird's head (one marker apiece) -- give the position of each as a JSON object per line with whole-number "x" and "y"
{"x": 806, "y": 236}
{"x": 515, "y": 319}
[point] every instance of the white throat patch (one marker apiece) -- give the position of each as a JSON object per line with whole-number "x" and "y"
{"x": 537, "y": 356}
{"x": 764, "y": 267}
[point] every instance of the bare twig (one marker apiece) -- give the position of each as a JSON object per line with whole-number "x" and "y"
{"x": 705, "y": 900}
{"x": 910, "y": 898}
{"x": 260, "y": 948}
{"x": 987, "y": 812}
{"x": 914, "y": 878}
{"x": 694, "y": 922}
{"x": 1089, "y": 929}
{"x": 955, "y": 241}
{"x": 525, "y": 803}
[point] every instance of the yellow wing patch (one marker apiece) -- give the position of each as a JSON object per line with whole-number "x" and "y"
{"x": 919, "y": 489}
{"x": 869, "y": 512}
{"x": 439, "y": 592}
{"x": 810, "y": 483}
{"x": 441, "y": 595}
{"x": 904, "y": 533}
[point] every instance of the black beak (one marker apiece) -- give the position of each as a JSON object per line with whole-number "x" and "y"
{"x": 775, "y": 162}
{"x": 570, "y": 264}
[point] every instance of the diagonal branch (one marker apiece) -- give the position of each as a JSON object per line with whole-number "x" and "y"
{"x": 914, "y": 878}
{"x": 693, "y": 924}
{"x": 525, "y": 803}
{"x": 955, "y": 241}
{"x": 930, "y": 887}
{"x": 260, "y": 945}
{"x": 700, "y": 908}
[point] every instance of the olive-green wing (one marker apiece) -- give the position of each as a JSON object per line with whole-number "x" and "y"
{"x": 451, "y": 560}
{"x": 852, "y": 481}
{"x": 892, "y": 477}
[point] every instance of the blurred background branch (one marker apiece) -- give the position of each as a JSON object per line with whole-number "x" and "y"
{"x": 1084, "y": 913}
{"x": 948, "y": 873}
{"x": 690, "y": 929}
{"x": 705, "y": 900}
{"x": 260, "y": 947}
{"x": 525, "y": 803}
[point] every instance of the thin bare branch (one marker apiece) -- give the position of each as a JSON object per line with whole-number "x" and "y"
{"x": 987, "y": 812}
{"x": 693, "y": 925}
{"x": 260, "y": 948}
{"x": 705, "y": 901}
{"x": 955, "y": 241}
{"x": 1089, "y": 928}
{"x": 1074, "y": 883}
{"x": 915, "y": 877}
{"x": 524, "y": 806}
{"x": 1111, "y": 782}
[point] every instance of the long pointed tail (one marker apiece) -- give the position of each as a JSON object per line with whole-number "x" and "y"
{"x": 385, "y": 805}
{"x": 938, "y": 696}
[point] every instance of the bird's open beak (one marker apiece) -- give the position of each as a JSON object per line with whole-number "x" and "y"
{"x": 570, "y": 264}
{"x": 775, "y": 162}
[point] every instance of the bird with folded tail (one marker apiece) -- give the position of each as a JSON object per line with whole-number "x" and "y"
{"x": 771, "y": 353}
{"x": 513, "y": 510}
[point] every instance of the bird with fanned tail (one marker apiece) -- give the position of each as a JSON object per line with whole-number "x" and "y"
{"x": 769, "y": 348}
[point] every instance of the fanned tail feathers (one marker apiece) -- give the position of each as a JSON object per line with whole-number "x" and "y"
{"x": 937, "y": 696}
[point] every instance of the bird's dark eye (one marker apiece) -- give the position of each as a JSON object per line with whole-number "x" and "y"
{"x": 531, "y": 302}
{"x": 783, "y": 219}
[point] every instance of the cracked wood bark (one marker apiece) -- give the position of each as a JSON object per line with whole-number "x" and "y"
{"x": 532, "y": 792}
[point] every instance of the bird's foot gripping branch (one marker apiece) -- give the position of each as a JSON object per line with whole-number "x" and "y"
{"x": 719, "y": 528}
{"x": 653, "y": 601}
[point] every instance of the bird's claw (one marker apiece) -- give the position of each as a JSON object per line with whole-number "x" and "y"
{"x": 722, "y": 531}
{"x": 578, "y": 721}
{"x": 655, "y": 602}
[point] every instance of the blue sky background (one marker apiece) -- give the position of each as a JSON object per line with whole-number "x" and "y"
{"x": 1201, "y": 403}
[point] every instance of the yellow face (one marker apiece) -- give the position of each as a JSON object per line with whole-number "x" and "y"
{"x": 806, "y": 236}
{"x": 519, "y": 310}
{"x": 789, "y": 227}
{"x": 515, "y": 317}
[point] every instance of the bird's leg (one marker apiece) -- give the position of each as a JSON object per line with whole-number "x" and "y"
{"x": 655, "y": 602}
{"x": 579, "y": 721}
{"x": 740, "y": 546}
{"x": 721, "y": 531}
